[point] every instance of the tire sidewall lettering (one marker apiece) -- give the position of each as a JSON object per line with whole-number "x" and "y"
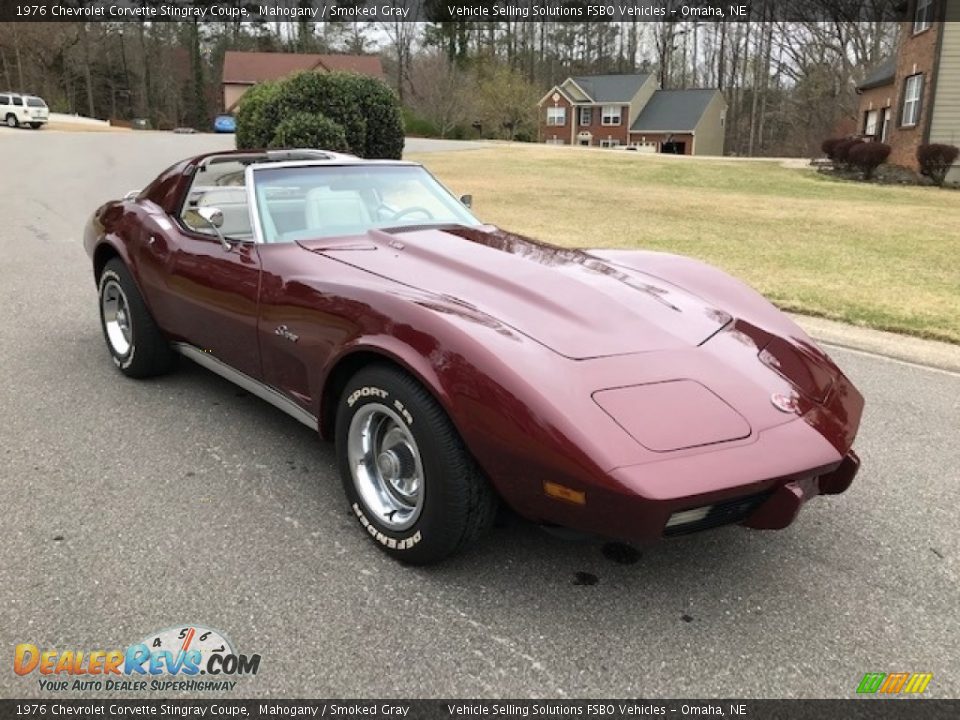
{"x": 404, "y": 543}
{"x": 367, "y": 391}
{"x": 354, "y": 400}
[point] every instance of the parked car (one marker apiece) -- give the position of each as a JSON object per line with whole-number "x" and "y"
{"x": 225, "y": 124}
{"x": 17, "y": 110}
{"x": 626, "y": 393}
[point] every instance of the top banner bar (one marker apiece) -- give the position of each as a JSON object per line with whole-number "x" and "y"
{"x": 452, "y": 10}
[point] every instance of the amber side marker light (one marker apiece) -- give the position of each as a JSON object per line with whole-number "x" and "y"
{"x": 562, "y": 492}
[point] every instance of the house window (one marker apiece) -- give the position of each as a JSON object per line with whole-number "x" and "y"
{"x": 923, "y": 16}
{"x": 586, "y": 115}
{"x": 912, "y": 92}
{"x": 870, "y": 123}
{"x": 611, "y": 115}
{"x": 609, "y": 143}
{"x": 556, "y": 116}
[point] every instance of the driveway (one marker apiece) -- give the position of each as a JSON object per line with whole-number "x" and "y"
{"x": 135, "y": 506}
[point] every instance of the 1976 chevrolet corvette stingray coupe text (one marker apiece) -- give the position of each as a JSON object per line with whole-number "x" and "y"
{"x": 624, "y": 393}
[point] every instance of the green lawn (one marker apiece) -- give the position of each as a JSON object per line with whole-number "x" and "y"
{"x": 879, "y": 256}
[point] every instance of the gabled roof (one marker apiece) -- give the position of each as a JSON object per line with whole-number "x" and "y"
{"x": 673, "y": 110}
{"x": 611, "y": 88}
{"x": 247, "y": 68}
{"x": 882, "y": 74}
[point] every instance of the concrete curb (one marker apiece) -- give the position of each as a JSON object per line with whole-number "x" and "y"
{"x": 928, "y": 353}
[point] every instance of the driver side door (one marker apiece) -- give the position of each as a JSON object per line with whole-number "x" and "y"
{"x": 211, "y": 290}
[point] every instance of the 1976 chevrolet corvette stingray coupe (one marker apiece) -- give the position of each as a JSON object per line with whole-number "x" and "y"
{"x": 624, "y": 393}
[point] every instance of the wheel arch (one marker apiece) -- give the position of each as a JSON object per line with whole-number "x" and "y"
{"x": 359, "y": 356}
{"x": 104, "y": 253}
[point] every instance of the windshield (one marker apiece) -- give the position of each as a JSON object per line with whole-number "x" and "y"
{"x": 36, "y": 102}
{"x": 302, "y": 203}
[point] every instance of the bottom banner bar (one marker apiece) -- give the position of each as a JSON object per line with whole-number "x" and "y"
{"x": 868, "y": 709}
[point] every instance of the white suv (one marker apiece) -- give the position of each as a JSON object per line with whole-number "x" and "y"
{"x": 17, "y": 109}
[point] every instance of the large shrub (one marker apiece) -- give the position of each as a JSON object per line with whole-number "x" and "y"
{"x": 366, "y": 111}
{"x": 936, "y": 160}
{"x": 867, "y": 157}
{"x": 251, "y": 115}
{"x": 309, "y": 130}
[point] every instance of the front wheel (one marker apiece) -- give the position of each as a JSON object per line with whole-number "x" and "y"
{"x": 135, "y": 342}
{"x": 410, "y": 482}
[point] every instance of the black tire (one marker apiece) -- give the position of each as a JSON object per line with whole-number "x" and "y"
{"x": 11, "y": 121}
{"x": 147, "y": 352}
{"x": 458, "y": 504}
{"x": 36, "y": 126}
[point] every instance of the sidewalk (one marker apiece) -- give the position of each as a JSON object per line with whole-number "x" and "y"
{"x": 900, "y": 347}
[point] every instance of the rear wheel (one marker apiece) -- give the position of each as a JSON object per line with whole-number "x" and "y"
{"x": 135, "y": 342}
{"x": 12, "y": 121}
{"x": 36, "y": 125}
{"x": 407, "y": 475}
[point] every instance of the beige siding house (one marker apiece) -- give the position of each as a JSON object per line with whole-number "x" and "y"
{"x": 632, "y": 111}
{"x": 945, "y": 116}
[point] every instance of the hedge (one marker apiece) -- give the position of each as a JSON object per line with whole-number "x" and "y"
{"x": 936, "y": 160}
{"x": 868, "y": 156}
{"x": 366, "y": 112}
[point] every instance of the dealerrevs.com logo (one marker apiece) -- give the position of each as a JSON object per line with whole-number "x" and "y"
{"x": 184, "y": 658}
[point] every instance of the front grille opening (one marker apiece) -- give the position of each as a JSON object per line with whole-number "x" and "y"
{"x": 718, "y": 514}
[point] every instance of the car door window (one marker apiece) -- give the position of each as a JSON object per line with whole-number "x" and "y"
{"x": 4, "y": 100}
{"x": 219, "y": 185}
{"x": 18, "y": 101}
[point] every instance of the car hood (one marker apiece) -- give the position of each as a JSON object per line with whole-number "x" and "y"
{"x": 572, "y": 302}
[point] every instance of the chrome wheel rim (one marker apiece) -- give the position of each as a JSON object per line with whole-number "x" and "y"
{"x": 116, "y": 317}
{"x": 11, "y": 122}
{"x": 385, "y": 465}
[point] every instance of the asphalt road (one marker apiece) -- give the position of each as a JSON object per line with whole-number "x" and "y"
{"x": 133, "y": 506}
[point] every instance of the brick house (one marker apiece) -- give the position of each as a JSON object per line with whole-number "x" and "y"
{"x": 913, "y": 98}
{"x": 631, "y": 110}
{"x": 242, "y": 70}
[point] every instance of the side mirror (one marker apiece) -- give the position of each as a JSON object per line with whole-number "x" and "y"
{"x": 467, "y": 200}
{"x": 213, "y": 217}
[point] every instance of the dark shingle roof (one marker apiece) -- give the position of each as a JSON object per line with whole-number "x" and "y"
{"x": 611, "y": 88}
{"x": 673, "y": 110}
{"x": 882, "y": 74}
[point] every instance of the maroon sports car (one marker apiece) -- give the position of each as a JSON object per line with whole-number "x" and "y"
{"x": 626, "y": 393}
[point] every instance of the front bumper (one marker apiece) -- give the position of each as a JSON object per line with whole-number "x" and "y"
{"x": 761, "y": 484}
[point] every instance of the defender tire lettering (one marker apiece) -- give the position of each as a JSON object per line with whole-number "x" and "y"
{"x": 385, "y": 540}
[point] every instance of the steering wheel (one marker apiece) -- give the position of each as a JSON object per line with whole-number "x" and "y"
{"x": 410, "y": 211}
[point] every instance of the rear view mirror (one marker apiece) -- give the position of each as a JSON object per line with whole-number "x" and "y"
{"x": 467, "y": 200}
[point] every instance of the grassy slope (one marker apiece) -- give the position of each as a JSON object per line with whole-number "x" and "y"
{"x": 883, "y": 257}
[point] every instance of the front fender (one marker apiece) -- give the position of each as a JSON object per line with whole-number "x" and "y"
{"x": 715, "y": 286}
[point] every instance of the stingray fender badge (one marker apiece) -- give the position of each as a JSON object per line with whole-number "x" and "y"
{"x": 284, "y": 332}
{"x": 784, "y": 403}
